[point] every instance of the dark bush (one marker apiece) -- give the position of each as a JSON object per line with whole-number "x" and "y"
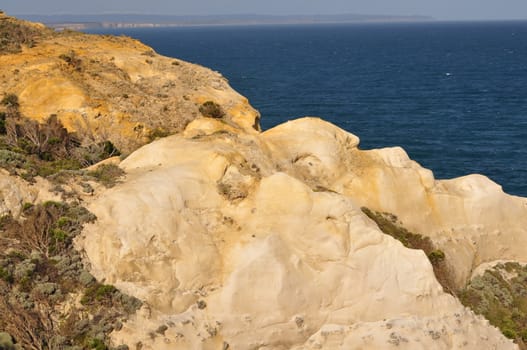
{"x": 72, "y": 60}
{"x": 107, "y": 174}
{"x": 211, "y": 109}
{"x": 3, "y": 116}
{"x": 10, "y": 100}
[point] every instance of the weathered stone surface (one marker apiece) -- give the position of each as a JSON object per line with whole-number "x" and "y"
{"x": 291, "y": 263}
{"x": 115, "y": 88}
{"x": 469, "y": 218}
{"x": 15, "y": 192}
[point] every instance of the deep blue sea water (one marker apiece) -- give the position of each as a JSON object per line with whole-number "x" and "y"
{"x": 453, "y": 95}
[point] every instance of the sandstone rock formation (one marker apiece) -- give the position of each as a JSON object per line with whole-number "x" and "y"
{"x": 113, "y": 87}
{"x": 15, "y": 192}
{"x": 469, "y": 218}
{"x": 258, "y": 242}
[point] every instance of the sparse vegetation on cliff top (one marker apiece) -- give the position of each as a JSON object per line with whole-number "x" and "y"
{"x": 29, "y": 148}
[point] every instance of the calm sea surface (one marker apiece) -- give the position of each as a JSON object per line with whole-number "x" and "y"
{"x": 453, "y": 95}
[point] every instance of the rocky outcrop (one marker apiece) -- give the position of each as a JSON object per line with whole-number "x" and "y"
{"x": 258, "y": 242}
{"x": 470, "y": 218}
{"x": 115, "y": 88}
{"x": 15, "y": 192}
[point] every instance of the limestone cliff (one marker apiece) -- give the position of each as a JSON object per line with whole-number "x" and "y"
{"x": 256, "y": 241}
{"x": 238, "y": 239}
{"x": 115, "y": 87}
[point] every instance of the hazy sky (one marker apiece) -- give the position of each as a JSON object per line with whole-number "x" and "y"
{"x": 440, "y": 9}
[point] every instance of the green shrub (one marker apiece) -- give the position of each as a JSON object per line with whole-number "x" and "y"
{"x": 436, "y": 256}
{"x": 58, "y": 235}
{"x": 5, "y": 275}
{"x": 211, "y": 109}
{"x": 500, "y": 296}
{"x": 107, "y": 174}
{"x": 98, "y": 293}
{"x": 64, "y": 221}
{"x": 10, "y": 100}
{"x": 509, "y": 333}
{"x": 97, "y": 344}
{"x": 27, "y": 206}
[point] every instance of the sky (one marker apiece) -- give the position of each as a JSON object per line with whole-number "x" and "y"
{"x": 439, "y": 9}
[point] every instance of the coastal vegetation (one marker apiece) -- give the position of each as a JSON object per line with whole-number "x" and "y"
{"x": 29, "y": 148}
{"x": 211, "y": 109}
{"x": 500, "y": 295}
{"x": 16, "y": 34}
{"x": 42, "y": 275}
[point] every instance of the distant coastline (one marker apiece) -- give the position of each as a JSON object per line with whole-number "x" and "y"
{"x": 82, "y": 22}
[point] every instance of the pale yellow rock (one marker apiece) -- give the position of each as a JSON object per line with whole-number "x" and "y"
{"x": 409, "y": 333}
{"x": 469, "y": 218}
{"x": 15, "y": 192}
{"x": 225, "y": 247}
{"x": 115, "y": 88}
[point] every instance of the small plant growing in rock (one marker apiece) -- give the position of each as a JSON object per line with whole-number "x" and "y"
{"x": 436, "y": 256}
{"x": 98, "y": 292}
{"x": 158, "y": 133}
{"x": 72, "y": 60}
{"x": 107, "y": 174}
{"x": 10, "y": 100}
{"x": 211, "y": 109}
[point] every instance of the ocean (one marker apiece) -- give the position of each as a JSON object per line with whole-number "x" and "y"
{"x": 452, "y": 94}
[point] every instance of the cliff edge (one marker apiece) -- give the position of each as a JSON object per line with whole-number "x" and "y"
{"x": 115, "y": 87}
{"x": 220, "y": 236}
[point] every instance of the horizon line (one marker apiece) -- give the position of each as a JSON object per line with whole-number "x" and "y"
{"x": 418, "y": 16}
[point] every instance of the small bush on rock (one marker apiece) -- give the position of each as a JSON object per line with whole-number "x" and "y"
{"x": 211, "y": 109}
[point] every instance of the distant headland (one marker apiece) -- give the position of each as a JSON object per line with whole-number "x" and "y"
{"x": 80, "y": 22}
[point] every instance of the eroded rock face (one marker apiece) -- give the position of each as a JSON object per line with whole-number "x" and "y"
{"x": 15, "y": 192}
{"x": 258, "y": 242}
{"x": 114, "y": 88}
{"x": 470, "y": 218}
